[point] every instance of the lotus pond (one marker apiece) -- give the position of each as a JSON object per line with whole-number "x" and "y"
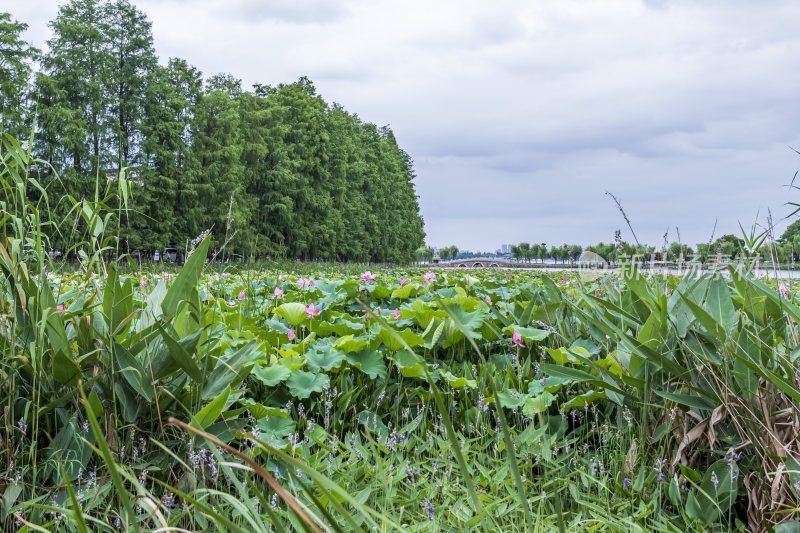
{"x": 401, "y": 399}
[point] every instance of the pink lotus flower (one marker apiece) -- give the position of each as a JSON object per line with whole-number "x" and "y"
{"x": 311, "y": 312}
{"x": 224, "y": 276}
{"x": 597, "y": 294}
{"x": 278, "y": 292}
{"x": 303, "y": 283}
{"x": 241, "y": 294}
{"x": 783, "y": 290}
{"x": 61, "y": 309}
{"x": 488, "y": 299}
{"x": 429, "y": 277}
{"x": 280, "y": 277}
{"x": 143, "y": 282}
{"x": 516, "y": 338}
{"x": 291, "y": 334}
{"x": 396, "y": 314}
{"x": 368, "y": 277}
{"x": 403, "y": 282}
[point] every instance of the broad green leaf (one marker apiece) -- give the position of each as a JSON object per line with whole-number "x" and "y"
{"x": 186, "y": 282}
{"x": 529, "y": 334}
{"x": 372, "y": 421}
{"x": 180, "y": 356}
{"x": 231, "y": 370}
{"x": 274, "y": 429}
{"x": 209, "y": 414}
{"x": 720, "y": 305}
{"x": 325, "y": 360}
{"x": 301, "y": 383}
{"x": 562, "y": 356}
{"x": 271, "y": 375}
{"x": 511, "y": 398}
{"x": 538, "y": 404}
{"x": 412, "y": 339}
{"x": 293, "y": 312}
{"x": 411, "y": 365}
{"x": 368, "y": 361}
{"x": 65, "y": 370}
{"x": 349, "y": 344}
{"x": 458, "y": 382}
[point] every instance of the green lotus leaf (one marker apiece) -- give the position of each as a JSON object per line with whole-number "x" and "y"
{"x": 538, "y": 404}
{"x": 530, "y": 334}
{"x": 412, "y": 339}
{"x": 275, "y": 429}
{"x": 403, "y": 293}
{"x": 562, "y": 356}
{"x": 380, "y": 293}
{"x": 350, "y": 344}
{"x": 325, "y": 360}
{"x": 458, "y": 382}
{"x": 422, "y": 313}
{"x": 259, "y": 410}
{"x": 585, "y": 399}
{"x": 511, "y": 399}
{"x": 372, "y": 421}
{"x": 293, "y": 312}
{"x": 551, "y": 384}
{"x": 302, "y": 384}
{"x": 410, "y": 364}
{"x": 370, "y": 362}
{"x": 271, "y": 375}
{"x": 339, "y": 327}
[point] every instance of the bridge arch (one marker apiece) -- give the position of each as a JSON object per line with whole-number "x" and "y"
{"x": 477, "y": 264}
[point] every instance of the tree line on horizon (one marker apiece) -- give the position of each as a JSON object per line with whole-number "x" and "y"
{"x": 785, "y": 250}
{"x": 275, "y": 170}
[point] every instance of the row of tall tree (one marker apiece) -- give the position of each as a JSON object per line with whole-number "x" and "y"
{"x": 274, "y": 170}
{"x": 530, "y": 252}
{"x": 784, "y": 250}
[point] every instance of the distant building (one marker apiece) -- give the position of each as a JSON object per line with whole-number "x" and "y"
{"x": 505, "y": 249}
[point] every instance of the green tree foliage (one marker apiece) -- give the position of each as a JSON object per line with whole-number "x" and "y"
{"x": 131, "y": 47}
{"x": 448, "y": 253}
{"x": 277, "y": 170}
{"x": 792, "y": 231}
{"x": 424, "y": 253}
{"x": 524, "y": 250}
{"x": 678, "y": 251}
{"x": 170, "y": 102}
{"x": 214, "y": 174}
{"x": 16, "y": 56}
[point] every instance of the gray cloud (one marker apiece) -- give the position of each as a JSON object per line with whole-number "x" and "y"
{"x": 291, "y": 11}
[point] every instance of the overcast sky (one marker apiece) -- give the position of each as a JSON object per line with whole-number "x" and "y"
{"x": 520, "y": 114}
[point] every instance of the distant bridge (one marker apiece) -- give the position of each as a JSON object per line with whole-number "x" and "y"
{"x": 493, "y": 262}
